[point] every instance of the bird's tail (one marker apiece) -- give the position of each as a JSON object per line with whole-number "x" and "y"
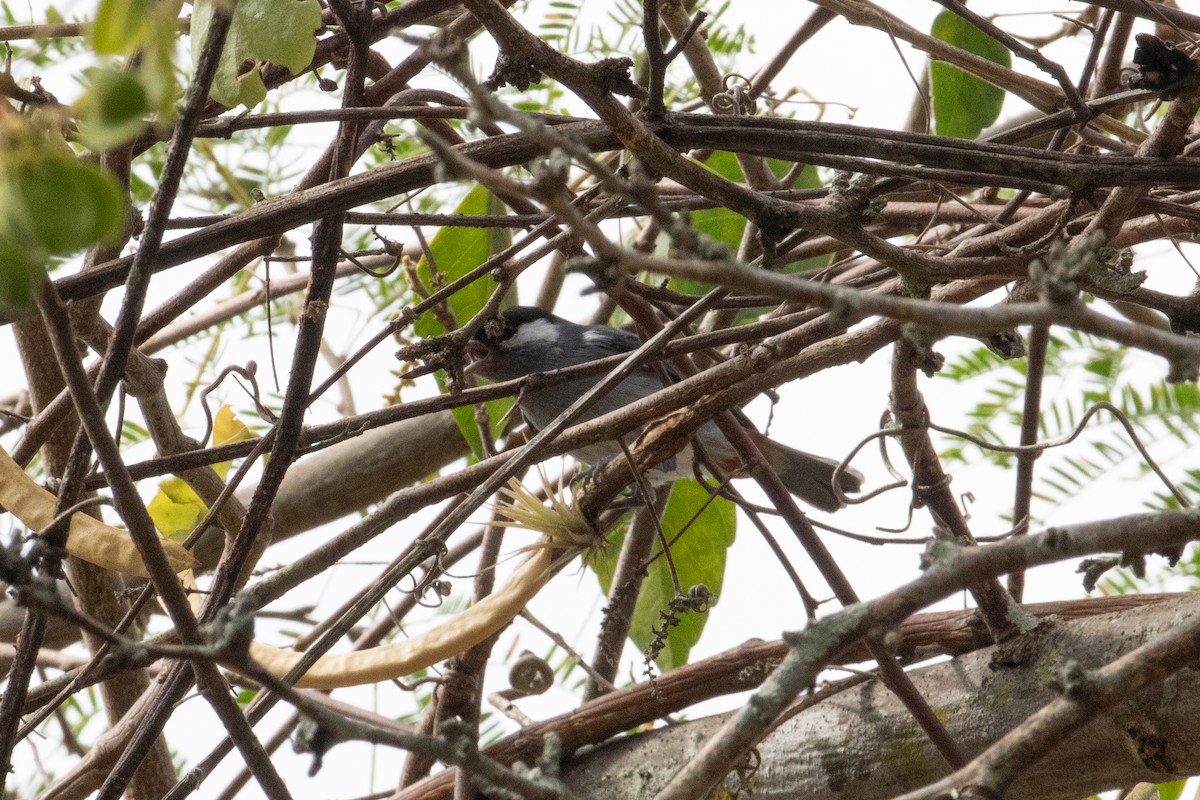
{"x": 809, "y": 477}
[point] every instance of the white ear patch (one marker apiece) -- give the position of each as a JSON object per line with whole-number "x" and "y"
{"x": 538, "y": 331}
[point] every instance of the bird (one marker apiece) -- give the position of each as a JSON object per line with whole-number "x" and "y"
{"x": 524, "y": 340}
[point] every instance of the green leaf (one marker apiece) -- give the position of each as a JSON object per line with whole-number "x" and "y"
{"x": 121, "y": 26}
{"x": 150, "y": 30}
{"x": 280, "y": 32}
{"x": 62, "y": 203}
{"x": 98, "y": 208}
{"x": 20, "y": 276}
{"x": 113, "y": 110}
{"x": 457, "y": 251}
{"x": 963, "y": 105}
{"x": 721, "y": 224}
{"x": 54, "y": 205}
{"x": 727, "y": 227}
{"x": 807, "y": 179}
{"x": 1171, "y": 790}
{"x": 699, "y": 557}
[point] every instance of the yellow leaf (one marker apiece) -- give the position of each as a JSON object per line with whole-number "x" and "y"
{"x": 228, "y": 428}
{"x": 176, "y": 508}
{"x": 179, "y": 492}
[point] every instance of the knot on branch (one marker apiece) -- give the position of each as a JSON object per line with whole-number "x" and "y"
{"x": 1073, "y": 680}
{"x": 456, "y": 683}
{"x": 1187, "y": 320}
{"x": 1112, "y": 270}
{"x": 923, "y": 356}
{"x": 231, "y": 631}
{"x": 1006, "y": 344}
{"x": 1055, "y": 540}
{"x": 1060, "y": 272}
{"x": 850, "y": 196}
{"x": 763, "y": 355}
{"x": 1092, "y": 569}
{"x": 938, "y": 552}
{"x": 687, "y": 242}
{"x": 512, "y": 70}
{"x": 15, "y": 569}
{"x": 314, "y": 737}
{"x": 1159, "y": 66}
{"x": 977, "y": 791}
{"x": 548, "y": 769}
{"x": 612, "y": 75}
{"x": 642, "y": 185}
{"x": 437, "y": 352}
{"x": 1183, "y": 369}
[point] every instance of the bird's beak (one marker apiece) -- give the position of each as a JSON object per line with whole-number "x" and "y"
{"x": 478, "y": 353}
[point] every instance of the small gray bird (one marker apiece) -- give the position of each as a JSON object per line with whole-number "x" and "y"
{"x": 532, "y": 340}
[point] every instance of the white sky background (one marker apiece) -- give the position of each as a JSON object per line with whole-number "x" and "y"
{"x": 826, "y": 414}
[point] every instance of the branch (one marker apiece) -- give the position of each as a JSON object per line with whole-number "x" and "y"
{"x": 812, "y": 648}
{"x": 745, "y": 667}
{"x": 863, "y": 743}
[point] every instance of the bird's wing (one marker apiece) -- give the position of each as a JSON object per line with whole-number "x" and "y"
{"x": 618, "y": 340}
{"x": 613, "y": 340}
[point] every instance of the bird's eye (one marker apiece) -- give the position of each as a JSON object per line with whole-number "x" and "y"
{"x": 508, "y": 329}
